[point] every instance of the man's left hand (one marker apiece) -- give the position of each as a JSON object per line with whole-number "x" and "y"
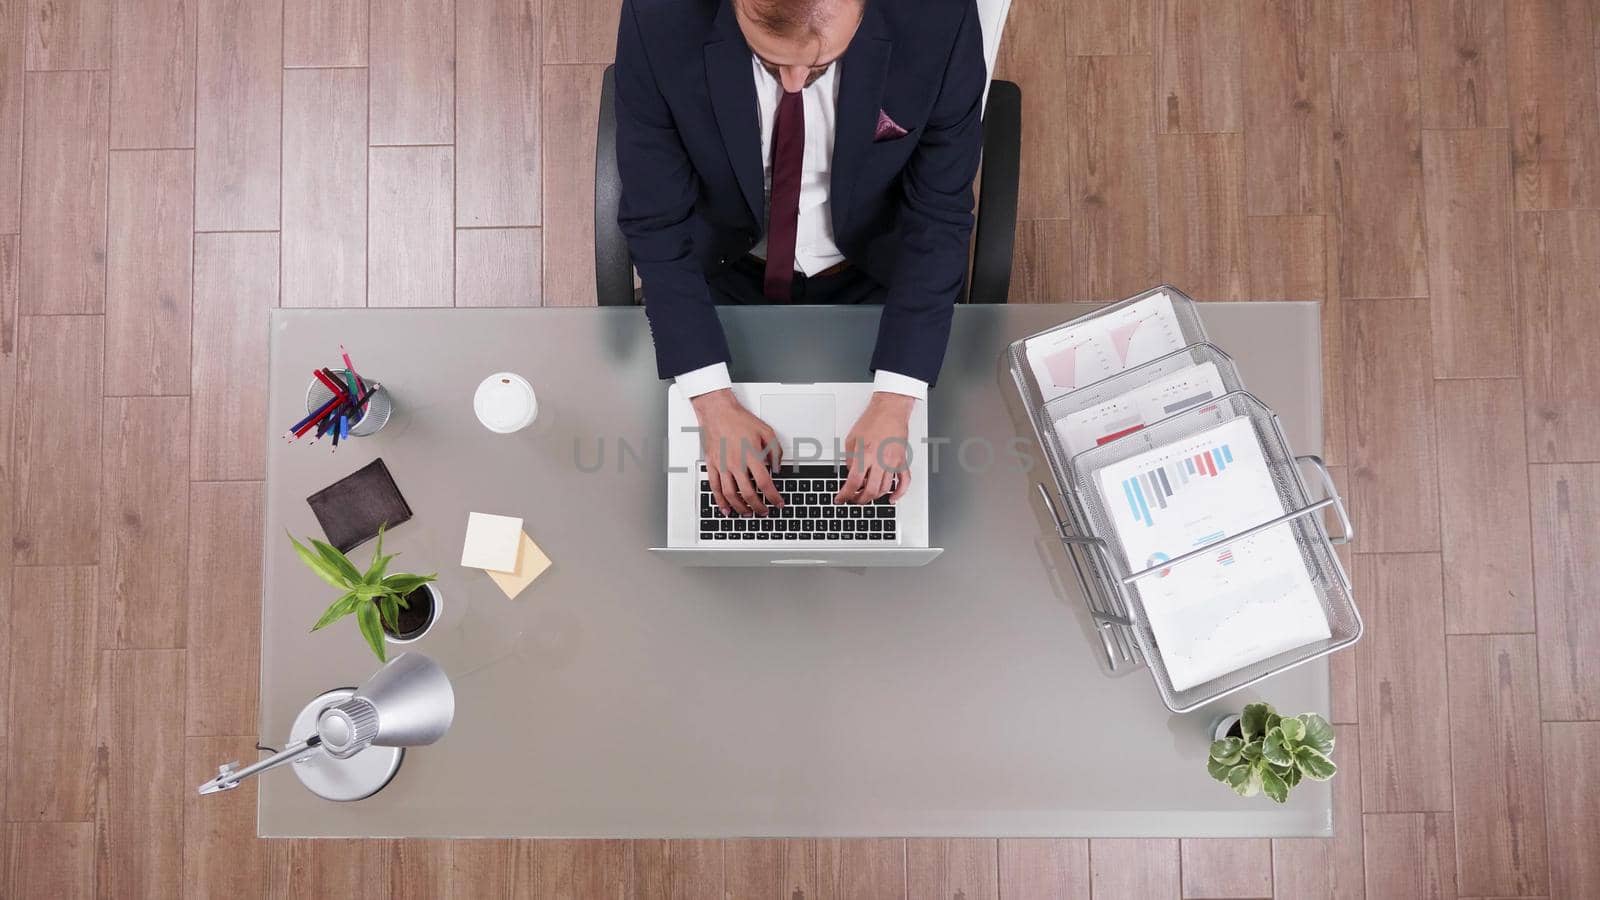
{"x": 879, "y": 450}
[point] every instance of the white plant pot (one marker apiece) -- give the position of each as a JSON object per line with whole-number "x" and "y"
{"x": 433, "y": 621}
{"x": 1220, "y": 730}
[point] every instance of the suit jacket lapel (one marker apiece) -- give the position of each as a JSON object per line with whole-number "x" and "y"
{"x": 864, "y": 70}
{"x": 731, "y": 83}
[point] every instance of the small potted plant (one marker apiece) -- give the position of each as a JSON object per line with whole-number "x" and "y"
{"x": 1263, "y": 752}
{"x": 399, "y": 607}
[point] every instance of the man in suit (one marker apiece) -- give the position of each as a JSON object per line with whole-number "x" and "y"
{"x": 807, "y": 151}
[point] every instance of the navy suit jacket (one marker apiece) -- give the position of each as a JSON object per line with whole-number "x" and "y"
{"x": 693, "y": 195}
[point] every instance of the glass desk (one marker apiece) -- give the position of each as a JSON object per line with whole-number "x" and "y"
{"x": 622, "y": 696}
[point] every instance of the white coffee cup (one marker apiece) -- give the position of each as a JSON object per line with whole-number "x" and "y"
{"x": 505, "y": 403}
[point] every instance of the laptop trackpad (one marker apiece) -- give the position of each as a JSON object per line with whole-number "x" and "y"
{"x": 808, "y": 418}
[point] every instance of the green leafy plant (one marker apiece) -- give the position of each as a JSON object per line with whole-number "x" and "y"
{"x": 1274, "y": 754}
{"x": 374, "y": 597}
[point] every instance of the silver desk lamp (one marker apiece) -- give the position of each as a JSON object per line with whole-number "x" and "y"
{"x": 347, "y": 744}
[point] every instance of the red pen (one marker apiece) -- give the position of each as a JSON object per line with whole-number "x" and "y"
{"x": 338, "y": 390}
{"x": 309, "y": 422}
{"x": 351, "y": 368}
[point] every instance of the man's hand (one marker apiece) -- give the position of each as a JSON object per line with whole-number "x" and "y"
{"x": 879, "y": 450}
{"x": 739, "y": 449}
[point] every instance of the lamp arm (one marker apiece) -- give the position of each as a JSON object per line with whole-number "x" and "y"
{"x": 228, "y": 777}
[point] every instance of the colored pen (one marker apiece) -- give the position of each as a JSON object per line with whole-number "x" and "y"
{"x": 344, "y": 426}
{"x": 350, "y": 367}
{"x": 328, "y": 382}
{"x": 337, "y": 381}
{"x": 301, "y": 427}
{"x": 304, "y": 429}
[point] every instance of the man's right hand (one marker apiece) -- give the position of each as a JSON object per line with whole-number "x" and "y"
{"x": 740, "y": 451}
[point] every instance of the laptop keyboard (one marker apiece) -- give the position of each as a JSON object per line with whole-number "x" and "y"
{"x": 808, "y": 514}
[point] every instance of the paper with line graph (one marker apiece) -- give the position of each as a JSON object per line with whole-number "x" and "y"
{"x": 1242, "y": 604}
{"x": 1148, "y": 403}
{"x": 1069, "y": 358}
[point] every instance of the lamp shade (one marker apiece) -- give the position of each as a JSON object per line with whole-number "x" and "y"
{"x": 407, "y": 703}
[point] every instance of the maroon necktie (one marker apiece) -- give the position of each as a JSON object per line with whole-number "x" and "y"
{"x": 783, "y": 217}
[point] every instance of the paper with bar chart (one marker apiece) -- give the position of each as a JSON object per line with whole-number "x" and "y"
{"x": 1244, "y": 603}
{"x": 1069, "y": 358}
{"x": 1141, "y": 406}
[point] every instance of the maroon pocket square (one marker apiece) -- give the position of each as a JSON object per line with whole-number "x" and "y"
{"x": 888, "y": 129}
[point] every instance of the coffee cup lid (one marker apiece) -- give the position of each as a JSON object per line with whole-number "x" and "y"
{"x": 505, "y": 402}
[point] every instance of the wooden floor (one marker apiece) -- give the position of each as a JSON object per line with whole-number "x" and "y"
{"x": 171, "y": 169}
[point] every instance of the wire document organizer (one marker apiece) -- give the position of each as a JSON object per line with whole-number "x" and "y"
{"x": 1063, "y": 413}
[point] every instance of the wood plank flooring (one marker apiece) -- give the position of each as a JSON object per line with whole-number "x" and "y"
{"x": 171, "y": 170}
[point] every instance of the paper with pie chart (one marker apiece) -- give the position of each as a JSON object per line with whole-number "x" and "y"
{"x": 1146, "y": 404}
{"x": 1242, "y": 604}
{"x": 1069, "y": 358}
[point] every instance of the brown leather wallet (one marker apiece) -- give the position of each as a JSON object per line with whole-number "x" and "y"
{"x": 352, "y": 509}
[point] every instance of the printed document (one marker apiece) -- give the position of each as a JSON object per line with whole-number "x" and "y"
{"x": 1069, "y": 358}
{"x": 1144, "y": 405}
{"x": 1236, "y": 606}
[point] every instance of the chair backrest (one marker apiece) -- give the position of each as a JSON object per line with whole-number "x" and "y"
{"x": 992, "y": 21}
{"x": 613, "y": 267}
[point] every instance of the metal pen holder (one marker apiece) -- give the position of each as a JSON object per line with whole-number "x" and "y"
{"x": 372, "y": 417}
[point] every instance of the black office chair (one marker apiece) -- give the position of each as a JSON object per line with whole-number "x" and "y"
{"x": 993, "y": 236}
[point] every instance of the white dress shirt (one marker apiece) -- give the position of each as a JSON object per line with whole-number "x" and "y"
{"x": 814, "y": 249}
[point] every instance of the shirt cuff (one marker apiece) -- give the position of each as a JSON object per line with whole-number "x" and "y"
{"x": 704, "y": 380}
{"x": 895, "y": 383}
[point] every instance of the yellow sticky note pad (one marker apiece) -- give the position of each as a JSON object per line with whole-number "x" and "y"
{"x": 531, "y": 563}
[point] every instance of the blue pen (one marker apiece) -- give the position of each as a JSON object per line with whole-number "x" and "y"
{"x": 344, "y": 428}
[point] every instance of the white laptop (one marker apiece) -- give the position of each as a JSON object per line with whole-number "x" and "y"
{"x": 812, "y": 421}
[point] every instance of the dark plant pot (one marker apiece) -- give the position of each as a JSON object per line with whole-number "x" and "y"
{"x": 423, "y": 608}
{"x": 1227, "y": 727}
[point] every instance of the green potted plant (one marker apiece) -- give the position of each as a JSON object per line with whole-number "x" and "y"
{"x": 398, "y": 607}
{"x": 1261, "y": 752}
